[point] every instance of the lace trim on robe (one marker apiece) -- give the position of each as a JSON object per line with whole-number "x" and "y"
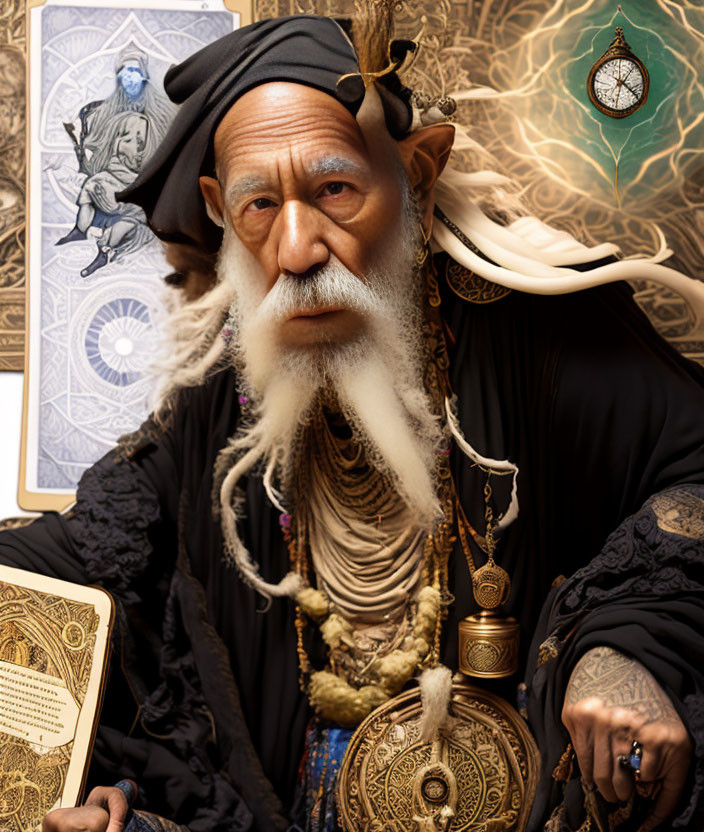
{"x": 110, "y": 522}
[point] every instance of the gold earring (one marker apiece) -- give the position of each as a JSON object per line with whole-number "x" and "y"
{"x": 424, "y": 248}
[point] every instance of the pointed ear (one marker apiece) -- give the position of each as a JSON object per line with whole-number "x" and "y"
{"x": 210, "y": 188}
{"x": 424, "y": 155}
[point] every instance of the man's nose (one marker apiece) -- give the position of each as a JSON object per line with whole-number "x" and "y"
{"x": 302, "y": 248}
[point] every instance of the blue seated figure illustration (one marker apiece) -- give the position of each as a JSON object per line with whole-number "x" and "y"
{"x": 117, "y": 135}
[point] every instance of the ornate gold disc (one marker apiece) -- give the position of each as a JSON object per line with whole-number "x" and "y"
{"x": 480, "y": 774}
{"x": 491, "y": 586}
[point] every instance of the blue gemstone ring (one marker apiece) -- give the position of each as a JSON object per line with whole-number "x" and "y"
{"x": 633, "y": 759}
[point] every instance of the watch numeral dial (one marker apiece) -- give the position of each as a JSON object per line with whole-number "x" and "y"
{"x": 619, "y": 84}
{"x": 618, "y": 81}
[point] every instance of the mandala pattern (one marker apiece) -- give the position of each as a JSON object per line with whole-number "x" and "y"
{"x": 482, "y": 771}
{"x": 117, "y": 340}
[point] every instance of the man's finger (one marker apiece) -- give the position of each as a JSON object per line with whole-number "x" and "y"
{"x": 580, "y": 730}
{"x": 623, "y": 782}
{"x": 648, "y": 790}
{"x": 583, "y": 749}
{"x": 651, "y": 763}
{"x": 604, "y": 762}
{"x": 621, "y": 746}
{"x": 115, "y": 803}
{"x": 81, "y": 819}
{"x": 670, "y": 794}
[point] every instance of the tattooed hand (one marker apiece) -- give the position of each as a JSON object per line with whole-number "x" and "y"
{"x": 612, "y": 700}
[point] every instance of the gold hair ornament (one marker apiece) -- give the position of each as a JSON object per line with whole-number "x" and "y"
{"x": 348, "y": 86}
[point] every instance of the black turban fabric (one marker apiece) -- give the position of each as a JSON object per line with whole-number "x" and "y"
{"x": 304, "y": 49}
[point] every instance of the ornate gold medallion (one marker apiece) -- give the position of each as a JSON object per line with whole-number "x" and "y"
{"x": 488, "y": 641}
{"x": 491, "y": 585}
{"x": 480, "y": 774}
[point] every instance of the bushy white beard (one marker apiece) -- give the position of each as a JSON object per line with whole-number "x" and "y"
{"x": 376, "y": 377}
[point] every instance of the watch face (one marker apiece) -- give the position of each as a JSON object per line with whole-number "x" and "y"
{"x": 618, "y": 85}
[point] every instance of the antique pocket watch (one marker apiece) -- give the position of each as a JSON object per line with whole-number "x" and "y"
{"x": 618, "y": 82}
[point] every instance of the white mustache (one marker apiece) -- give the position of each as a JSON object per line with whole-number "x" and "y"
{"x": 332, "y": 285}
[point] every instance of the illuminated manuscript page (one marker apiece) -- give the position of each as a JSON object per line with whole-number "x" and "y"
{"x": 53, "y": 646}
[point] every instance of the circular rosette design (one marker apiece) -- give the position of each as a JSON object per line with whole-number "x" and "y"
{"x": 481, "y": 773}
{"x": 118, "y": 340}
{"x": 73, "y": 635}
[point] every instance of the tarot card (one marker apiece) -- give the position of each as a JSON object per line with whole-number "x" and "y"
{"x": 55, "y": 638}
{"x": 97, "y": 111}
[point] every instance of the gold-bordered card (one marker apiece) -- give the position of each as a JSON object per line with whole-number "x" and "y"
{"x": 54, "y": 639}
{"x": 96, "y": 112}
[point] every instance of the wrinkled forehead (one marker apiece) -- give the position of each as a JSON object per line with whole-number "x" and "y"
{"x": 279, "y": 120}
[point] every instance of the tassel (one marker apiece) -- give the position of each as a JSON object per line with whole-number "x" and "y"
{"x": 435, "y": 688}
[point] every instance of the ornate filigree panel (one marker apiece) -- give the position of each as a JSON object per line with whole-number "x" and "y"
{"x": 39, "y": 634}
{"x": 518, "y": 49}
{"x": 12, "y": 183}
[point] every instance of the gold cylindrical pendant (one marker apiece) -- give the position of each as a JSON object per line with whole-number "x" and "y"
{"x": 488, "y": 645}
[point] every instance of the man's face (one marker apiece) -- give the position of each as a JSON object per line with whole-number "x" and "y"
{"x": 301, "y": 189}
{"x": 131, "y": 79}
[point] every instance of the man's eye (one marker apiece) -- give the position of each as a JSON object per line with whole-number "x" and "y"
{"x": 334, "y": 188}
{"x": 260, "y": 204}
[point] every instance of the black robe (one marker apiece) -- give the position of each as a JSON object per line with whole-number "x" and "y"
{"x": 598, "y": 412}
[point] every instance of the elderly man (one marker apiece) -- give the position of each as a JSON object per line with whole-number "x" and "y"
{"x": 313, "y": 431}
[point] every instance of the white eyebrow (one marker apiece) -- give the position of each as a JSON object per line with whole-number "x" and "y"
{"x": 248, "y": 185}
{"x": 244, "y": 187}
{"x": 333, "y": 164}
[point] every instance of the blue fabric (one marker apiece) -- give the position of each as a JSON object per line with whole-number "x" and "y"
{"x": 324, "y": 749}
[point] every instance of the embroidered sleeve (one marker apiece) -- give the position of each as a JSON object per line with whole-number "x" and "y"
{"x": 146, "y": 822}
{"x": 642, "y": 595}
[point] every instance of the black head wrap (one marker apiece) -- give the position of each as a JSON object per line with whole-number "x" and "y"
{"x": 304, "y": 49}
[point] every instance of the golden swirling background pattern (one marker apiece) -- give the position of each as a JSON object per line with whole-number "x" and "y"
{"x": 518, "y": 69}
{"x": 12, "y": 183}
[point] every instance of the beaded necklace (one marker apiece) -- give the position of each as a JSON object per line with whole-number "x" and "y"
{"x": 333, "y": 696}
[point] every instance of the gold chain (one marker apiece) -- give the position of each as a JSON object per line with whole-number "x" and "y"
{"x": 489, "y": 517}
